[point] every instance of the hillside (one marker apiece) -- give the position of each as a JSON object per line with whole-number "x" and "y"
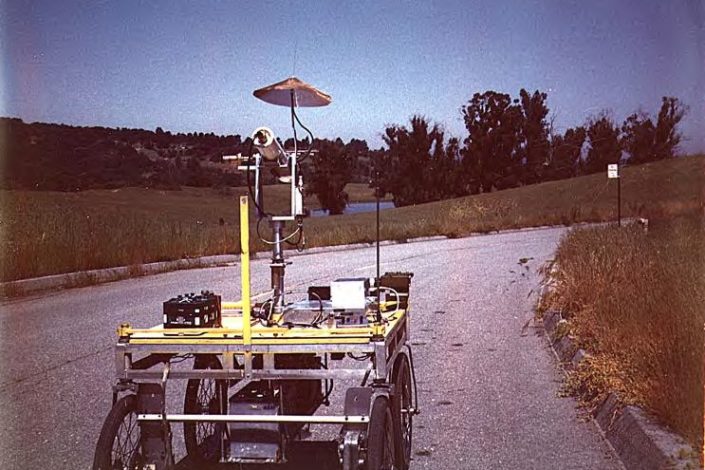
{"x": 51, "y": 232}
{"x": 57, "y": 157}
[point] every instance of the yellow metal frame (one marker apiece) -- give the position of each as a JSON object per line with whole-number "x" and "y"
{"x": 245, "y": 276}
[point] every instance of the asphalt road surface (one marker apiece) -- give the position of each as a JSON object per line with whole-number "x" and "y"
{"x": 488, "y": 388}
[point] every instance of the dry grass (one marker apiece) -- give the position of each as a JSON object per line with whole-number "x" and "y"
{"x": 635, "y": 301}
{"x": 48, "y": 232}
{"x": 53, "y": 232}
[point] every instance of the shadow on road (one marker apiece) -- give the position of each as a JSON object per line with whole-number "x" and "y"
{"x": 303, "y": 455}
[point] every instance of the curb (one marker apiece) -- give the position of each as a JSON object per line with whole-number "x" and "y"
{"x": 36, "y": 285}
{"x": 639, "y": 441}
{"x": 24, "y": 287}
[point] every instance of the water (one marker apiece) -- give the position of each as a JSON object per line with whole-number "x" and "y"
{"x": 355, "y": 207}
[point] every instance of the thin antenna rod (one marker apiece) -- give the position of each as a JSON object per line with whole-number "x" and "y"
{"x": 296, "y": 47}
{"x": 377, "y": 197}
{"x": 379, "y": 305}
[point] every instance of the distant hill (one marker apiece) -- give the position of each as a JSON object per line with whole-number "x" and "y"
{"x": 59, "y": 157}
{"x": 68, "y": 158}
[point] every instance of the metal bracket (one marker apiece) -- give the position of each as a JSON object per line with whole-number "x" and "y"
{"x": 155, "y": 438}
{"x": 166, "y": 428}
{"x": 350, "y": 454}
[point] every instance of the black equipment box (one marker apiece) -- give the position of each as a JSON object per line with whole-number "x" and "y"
{"x": 400, "y": 282}
{"x": 193, "y": 311}
{"x": 319, "y": 293}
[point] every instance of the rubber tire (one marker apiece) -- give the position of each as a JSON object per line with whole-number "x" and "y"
{"x": 403, "y": 398}
{"x": 380, "y": 437}
{"x": 103, "y": 453}
{"x": 195, "y": 451}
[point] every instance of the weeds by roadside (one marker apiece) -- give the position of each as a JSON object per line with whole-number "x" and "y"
{"x": 635, "y": 301}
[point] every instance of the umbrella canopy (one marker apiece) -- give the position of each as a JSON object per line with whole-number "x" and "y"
{"x": 302, "y": 94}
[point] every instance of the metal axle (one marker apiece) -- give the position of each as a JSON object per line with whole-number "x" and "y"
{"x": 256, "y": 418}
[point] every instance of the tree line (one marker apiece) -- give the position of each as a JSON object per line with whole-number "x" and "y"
{"x": 511, "y": 142}
{"x": 59, "y": 157}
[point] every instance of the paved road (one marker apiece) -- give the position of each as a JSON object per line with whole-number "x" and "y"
{"x": 488, "y": 393}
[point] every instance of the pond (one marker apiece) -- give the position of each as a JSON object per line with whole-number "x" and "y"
{"x": 355, "y": 207}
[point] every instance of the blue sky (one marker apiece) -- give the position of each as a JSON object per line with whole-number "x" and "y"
{"x": 192, "y": 66}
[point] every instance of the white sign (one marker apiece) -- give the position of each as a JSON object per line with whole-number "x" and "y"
{"x": 613, "y": 170}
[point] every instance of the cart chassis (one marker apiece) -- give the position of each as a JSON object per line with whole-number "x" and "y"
{"x": 143, "y": 367}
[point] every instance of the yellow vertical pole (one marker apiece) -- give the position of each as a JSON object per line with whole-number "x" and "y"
{"x": 245, "y": 262}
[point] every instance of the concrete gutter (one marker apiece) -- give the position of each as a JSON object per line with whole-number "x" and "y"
{"x": 639, "y": 440}
{"x": 98, "y": 276}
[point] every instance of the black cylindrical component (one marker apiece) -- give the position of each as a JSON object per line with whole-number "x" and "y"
{"x": 277, "y": 266}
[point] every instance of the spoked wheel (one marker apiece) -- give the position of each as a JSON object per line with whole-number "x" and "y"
{"x": 204, "y": 396}
{"x": 380, "y": 437}
{"x": 119, "y": 442}
{"x": 402, "y": 414}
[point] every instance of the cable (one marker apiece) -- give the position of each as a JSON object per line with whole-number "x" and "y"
{"x": 310, "y": 145}
{"x": 260, "y": 211}
{"x": 413, "y": 379}
{"x": 320, "y": 317}
{"x": 328, "y": 386}
{"x": 180, "y": 358}
{"x": 266, "y": 316}
{"x": 300, "y": 229}
{"x": 364, "y": 357}
{"x": 269, "y": 242}
{"x": 301, "y": 247}
{"x": 320, "y": 302}
{"x": 398, "y": 301}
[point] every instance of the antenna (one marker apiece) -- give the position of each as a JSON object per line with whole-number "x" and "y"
{"x": 296, "y": 48}
{"x": 379, "y": 282}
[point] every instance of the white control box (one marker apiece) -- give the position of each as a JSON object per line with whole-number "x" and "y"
{"x": 349, "y": 294}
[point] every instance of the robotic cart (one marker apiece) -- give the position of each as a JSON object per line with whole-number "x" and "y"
{"x": 262, "y": 369}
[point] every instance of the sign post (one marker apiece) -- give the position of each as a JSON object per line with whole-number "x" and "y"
{"x": 613, "y": 173}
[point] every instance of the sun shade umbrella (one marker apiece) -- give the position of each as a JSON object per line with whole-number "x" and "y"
{"x": 293, "y": 92}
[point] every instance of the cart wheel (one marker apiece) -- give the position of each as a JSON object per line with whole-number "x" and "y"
{"x": 380, "y": 437}
{"x": 204, "y": 396}
{"x": 119, "y": 442}
{"x": 402, "y": 403}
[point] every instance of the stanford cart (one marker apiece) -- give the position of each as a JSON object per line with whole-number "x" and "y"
{"x": 263, "y": 366}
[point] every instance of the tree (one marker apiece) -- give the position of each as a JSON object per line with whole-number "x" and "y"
{"x": 490, "y": 156}
{"x": 667, "y": 135}
{"x": 331, "y": 173}
{"x": 446, "y": 178}
{"x": 410, "y": 161}
{"x": 534, "y": 133}
{"x": 360, "y": 154}
{"x": 646, "y": 142}
{"x": 638, "y": 138}
{"x": 603, "y": 138}
{"x": 566, "y": 150}
{"x": 301, "y": 144}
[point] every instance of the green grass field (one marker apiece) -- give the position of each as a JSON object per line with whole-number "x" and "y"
{"x": 50, "y": 232}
